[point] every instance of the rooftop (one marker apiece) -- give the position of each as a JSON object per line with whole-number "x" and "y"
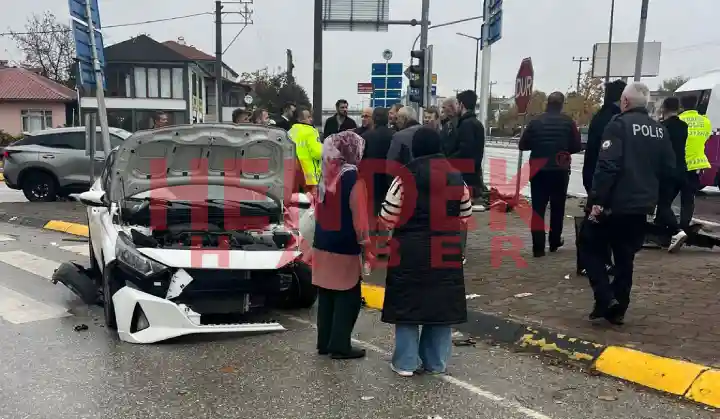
{"x": 19, "y": 84}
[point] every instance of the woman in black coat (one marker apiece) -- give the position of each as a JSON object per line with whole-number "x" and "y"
{"x": 425, "y": 287}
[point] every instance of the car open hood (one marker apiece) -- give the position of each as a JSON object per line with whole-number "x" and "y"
{"x": 248, "y": 156}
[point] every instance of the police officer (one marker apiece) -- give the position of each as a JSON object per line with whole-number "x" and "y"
{"x": 634, "y": 157}
{"x": 699, "y": 130}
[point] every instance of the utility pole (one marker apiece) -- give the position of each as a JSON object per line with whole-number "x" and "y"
{"x": 477, "y": 40}
{"x": 99, "y": 86}
{"x": 290, "y": 66}
{"x": 610, "y": 38}
{"x": 424, "y": 28}
{"x": 317, "y": 63}
{"x": 641, "y": 39}
{"x": 219, "y": 51}
{"x": 485, "y": 70}
{"x": 580, "y": 61}
{"x": 218, "y": 60}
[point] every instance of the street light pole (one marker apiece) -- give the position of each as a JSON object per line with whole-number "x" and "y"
{"x": 641, "y": 39}
{"x": 477, "y": 56}
{"x": 610, "y": 35}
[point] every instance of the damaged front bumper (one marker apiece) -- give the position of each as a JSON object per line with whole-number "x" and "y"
{"x": 143, "y": 318}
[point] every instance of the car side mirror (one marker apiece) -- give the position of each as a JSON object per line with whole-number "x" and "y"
{"x": 300, "y": 200}
{"x": 93, "y": 198}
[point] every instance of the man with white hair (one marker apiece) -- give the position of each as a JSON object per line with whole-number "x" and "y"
{"x": 401, "y": 146}
{"x": 449, "y": 124}
{"x": 635, "y": 156}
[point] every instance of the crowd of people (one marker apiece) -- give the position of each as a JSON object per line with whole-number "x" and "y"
{"x": 633, "y": 165}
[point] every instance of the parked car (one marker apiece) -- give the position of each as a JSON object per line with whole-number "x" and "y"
{"x": 51, "y": 163}
{"x": 148, "y": 249}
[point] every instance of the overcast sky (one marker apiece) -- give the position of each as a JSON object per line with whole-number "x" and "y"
{"x": 550, "y": 31}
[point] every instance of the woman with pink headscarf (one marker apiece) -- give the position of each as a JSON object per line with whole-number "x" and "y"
{"x": 341, "y": 233}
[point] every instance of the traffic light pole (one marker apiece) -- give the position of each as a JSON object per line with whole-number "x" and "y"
{"x": 485, "y": 71}
{"x": 424, "y": 28}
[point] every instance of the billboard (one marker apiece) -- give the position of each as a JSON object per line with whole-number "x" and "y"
{"x": 622, "y": 59}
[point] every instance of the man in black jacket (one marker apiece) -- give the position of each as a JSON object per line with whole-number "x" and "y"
{"x": 286, "y": 119}
{"x": 551, "y": 139}
{"x": 377, "y": 145}
{"x": 340, "y": 121}
{"x": 469, "y": 141}
{"x": 449, "y": 124}
{"x": 677, "y": 130}
{"x": 599, "y": 121}
{"x": 635, "y": 157}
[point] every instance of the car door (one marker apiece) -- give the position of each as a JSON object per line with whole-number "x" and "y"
{"x": 99, "y": 161}
{"x": 71, "y": 164}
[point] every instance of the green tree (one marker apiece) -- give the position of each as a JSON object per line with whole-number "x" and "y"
{"x": 582, "y": 105}
{"x": 47, "y": 45}
{"x": 510, "y": 120}
{"x": 272, "y": 91}
{"x": 672, "y": 84}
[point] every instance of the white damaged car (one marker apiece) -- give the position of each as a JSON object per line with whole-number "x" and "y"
{"x": 188, "y": 230}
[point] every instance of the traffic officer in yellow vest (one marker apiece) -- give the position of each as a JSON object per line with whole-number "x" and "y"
{"x": 699, "y": 130}
{"x": 307, "y": 147}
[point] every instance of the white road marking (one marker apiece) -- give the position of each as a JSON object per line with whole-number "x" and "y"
{"x": 30, "y": 263}
{"x": 502, "y": 401}
{"x": 80, "y": 249}
{"x": 7, "y": 238}
{"x": 18, "y": 308}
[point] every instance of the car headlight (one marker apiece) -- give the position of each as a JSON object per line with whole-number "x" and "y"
{"x": 127, "y": 254}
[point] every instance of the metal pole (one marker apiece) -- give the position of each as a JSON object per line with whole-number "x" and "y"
{"x": 90, "y": 140}
{"x": 440, "y": 25}
{"x": 477, "y": 58}
{"x": 218, "y": 60}
{"x": 516, "y": 198}
{"x": 610, "y": 38}
{"x": 317, "y": 95}
{"x": 424, "y": 28}
{"x": 485, "y": 70}
{"x": 641, "y": 39}
{"x": 99, "y": 84}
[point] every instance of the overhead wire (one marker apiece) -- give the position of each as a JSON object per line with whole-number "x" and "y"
{"x": 120, "y": 25}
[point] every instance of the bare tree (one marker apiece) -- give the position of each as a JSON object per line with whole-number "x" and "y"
{"x": 47, "y": 45}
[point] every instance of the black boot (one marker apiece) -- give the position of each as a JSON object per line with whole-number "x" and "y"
{"x": 538, "y": 243}
{"x": 556, "y": 245}
{"x": 353, "y": 353}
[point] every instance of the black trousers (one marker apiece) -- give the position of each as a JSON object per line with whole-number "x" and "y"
{"x": 624, "y": 235}
{"x": 548, "y": 187}
{"x": 687, "y": 188}
{"x": 337, "y": 313}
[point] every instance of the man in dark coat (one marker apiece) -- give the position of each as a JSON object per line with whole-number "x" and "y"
{"x": 401, "y": 147}
{"x": 366, "y": 122}
{"x": 285, "y": 121}
{"x": 610, "y": 108}
{"x": 470, "y": 141}
{"x": 340, "y": 121}
{"x": 424, "y": 288}
{"x": 377, "y": 145}
{"x": 449, "y": 124}
{"x": 551, "y": 139}
{"x": 677, "y": 129}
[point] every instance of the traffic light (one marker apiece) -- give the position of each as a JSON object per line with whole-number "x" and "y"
{"x": 418, "y": 77}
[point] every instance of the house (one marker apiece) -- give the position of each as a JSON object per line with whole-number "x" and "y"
{"x": 31, "y": 102}
{"x": 145, "y": 76}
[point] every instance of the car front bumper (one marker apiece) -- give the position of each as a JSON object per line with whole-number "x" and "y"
{"x": 144, "y": 318}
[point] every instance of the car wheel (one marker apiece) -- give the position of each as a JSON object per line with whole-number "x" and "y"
{"x": 302, "y": 292}
{"x": 110, "y": 286}
{"x": 39, "y": 187}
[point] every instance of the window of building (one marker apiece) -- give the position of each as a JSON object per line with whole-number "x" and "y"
{"x": 153, "y": 80}
{"x": 145, "y": 118}
{"x": 165, "y": 83}
{"x": 140, "y": 82}
{"x": 120, "y": 118}
{"x": 177, "y": 83}
{"x": 36, "y": 120}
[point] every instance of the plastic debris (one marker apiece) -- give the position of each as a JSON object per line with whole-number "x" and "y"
{"x": 523, "y": 295}
{"x": 567, "y": 276}
{"x": 81, "y": 328}
{"x": 367, "y": 398}
{"x": 607, "y": 398}
{"x": 472, "y": 296}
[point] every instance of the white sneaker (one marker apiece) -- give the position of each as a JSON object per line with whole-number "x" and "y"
{"x": 401, "y": 372}
{"x": 677, "y": 241}
{"x": 464, "y": 260}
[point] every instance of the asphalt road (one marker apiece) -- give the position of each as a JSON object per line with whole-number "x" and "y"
{"x": 50, "y": 370}
{"x": 707, "y": 207}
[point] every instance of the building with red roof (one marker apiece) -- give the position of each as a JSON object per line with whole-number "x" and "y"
{"x": 31, "y": 102}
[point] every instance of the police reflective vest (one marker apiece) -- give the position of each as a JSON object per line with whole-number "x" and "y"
{"x": 308, "y": 149}
{"x": 699, "y": 130}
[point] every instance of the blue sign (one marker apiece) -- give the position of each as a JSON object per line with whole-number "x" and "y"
{"x": 494, "y": 22}
{"x": 433, "y": 91}
{"x": 83, "y": 46}
{"x": 387, "y": 79}
{"x": 494, "y": 6}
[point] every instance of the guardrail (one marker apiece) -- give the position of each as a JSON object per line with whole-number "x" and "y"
{"x": 502, "y": 141}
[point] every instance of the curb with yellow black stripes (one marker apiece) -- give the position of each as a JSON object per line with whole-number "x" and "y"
{"x": 693, "y": 382}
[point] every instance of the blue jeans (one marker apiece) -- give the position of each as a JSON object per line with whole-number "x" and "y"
{"x": 429, "y": 348}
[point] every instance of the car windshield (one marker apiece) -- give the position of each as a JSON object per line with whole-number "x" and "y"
{"x": 203, "y": 194}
